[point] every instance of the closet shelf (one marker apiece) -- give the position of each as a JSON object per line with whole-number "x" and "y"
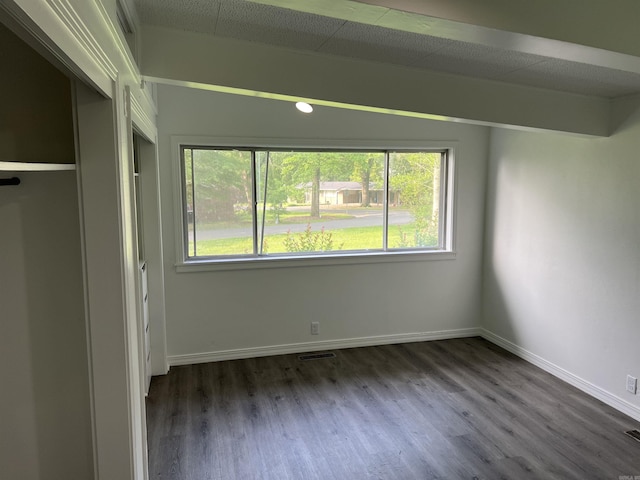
{"x": 35, "y": 167}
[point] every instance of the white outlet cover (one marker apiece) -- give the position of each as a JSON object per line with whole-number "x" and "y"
{"x": 632, "y": 384}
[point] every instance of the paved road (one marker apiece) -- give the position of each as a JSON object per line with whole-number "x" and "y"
{"x": 360, "y": 219}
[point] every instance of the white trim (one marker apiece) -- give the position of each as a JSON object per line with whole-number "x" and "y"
{"x": 80, "y": 50}
{"x": 253, "y": 352}
{"x": 42, "y": 22}
{"x": 121, "y": 44}
{"x": 97, "y": 122}
{"x": 335, "y": 258}
{"x": 85, "y": 282}
{"x": 320, "y": 260}
{"x": 132, "y": 15}
{"x": 572, "y": 379}
{"x": 178, "y": 201}
{"x": 320, "y": 143}
{"x": 67, "y": 14}
{"x": 128, "y": 11}
{"x": 132, "y": 69}
{"x": 450, "y": 217}
{"x": 35, "y": 167}
{"x": 147, "y": 90}
{"x": 141, "y": 121}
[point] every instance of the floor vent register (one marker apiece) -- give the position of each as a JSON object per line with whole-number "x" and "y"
{"x": 316, "y": 356}
{"x": 634, "y": 434}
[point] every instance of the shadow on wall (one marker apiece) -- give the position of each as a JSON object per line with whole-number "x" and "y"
{"x": 497, "y": 316}
{"x": 621, "y": 112}
{"x": 56, "y": 324}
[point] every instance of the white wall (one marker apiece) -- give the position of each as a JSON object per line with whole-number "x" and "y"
{"x": 213, "y": 312}
{"x": 45, "y": 419}
{"x": 562, "y": 258}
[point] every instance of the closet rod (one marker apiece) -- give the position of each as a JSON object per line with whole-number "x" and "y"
{"x": 9, "y": 181}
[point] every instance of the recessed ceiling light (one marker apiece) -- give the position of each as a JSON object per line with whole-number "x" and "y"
{"x": 304, "y": 107}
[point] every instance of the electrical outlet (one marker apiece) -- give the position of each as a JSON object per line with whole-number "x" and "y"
{"x": 632, "y": 384}
{"x": 315, "y": 328}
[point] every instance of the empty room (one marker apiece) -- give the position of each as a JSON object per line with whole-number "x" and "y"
{"x": 320, "y": 240}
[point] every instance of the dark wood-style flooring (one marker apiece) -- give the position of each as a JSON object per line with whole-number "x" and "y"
{"x": 452, "y": 409}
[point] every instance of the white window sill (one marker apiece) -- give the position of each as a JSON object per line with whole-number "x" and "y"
{"x": 211, "y": 265}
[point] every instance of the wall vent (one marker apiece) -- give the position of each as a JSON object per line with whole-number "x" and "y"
{"x": 316, "y": 356}
{"x": 635, "y": 434}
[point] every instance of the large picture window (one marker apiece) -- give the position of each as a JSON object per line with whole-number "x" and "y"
{"x": 253, "y": 202}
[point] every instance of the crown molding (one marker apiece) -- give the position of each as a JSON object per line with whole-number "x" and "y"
{"x": 142, "y": 121}
{"x": 70, "y": 18}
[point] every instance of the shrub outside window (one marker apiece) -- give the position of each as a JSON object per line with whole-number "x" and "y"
{"x": 244, "y": 203}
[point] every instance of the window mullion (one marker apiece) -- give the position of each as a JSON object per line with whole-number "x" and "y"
{"x": 254, "y": 202}
{"x": 385, "y": 205}
{"x": 442, "y": 209}
{"x": 193, "y": 207}
{"x": 264, "y": 204}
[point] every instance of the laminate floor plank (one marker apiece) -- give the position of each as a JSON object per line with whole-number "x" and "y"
{"x": 527, "y": 419}
{"x": 451, "y": 409}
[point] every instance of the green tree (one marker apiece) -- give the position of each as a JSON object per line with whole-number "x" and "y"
{"x": 222, "y": 180}
{"x": 415, "y": 179}
{"x": 311, "y": 168}
{"x": 269, "y": 168}
{"x": 366, "y": 168}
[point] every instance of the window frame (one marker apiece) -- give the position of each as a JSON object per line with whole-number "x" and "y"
{"x": 184, "y": 263}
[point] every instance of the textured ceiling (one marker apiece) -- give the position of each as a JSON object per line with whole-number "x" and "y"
{"x": 254, "y": 22}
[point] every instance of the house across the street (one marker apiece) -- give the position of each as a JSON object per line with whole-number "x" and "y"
{"x": 345, "y": 193}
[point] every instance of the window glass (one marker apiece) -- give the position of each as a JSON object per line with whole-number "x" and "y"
{"x": 259, "y": 202}
{"x": 221, "y": 222}
{"x": 414, "y": 199}
{"x": 320, "y": 201}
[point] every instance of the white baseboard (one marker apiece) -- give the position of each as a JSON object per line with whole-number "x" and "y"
{"x": 253, "y": 352}
{"x": 587, "y": 387}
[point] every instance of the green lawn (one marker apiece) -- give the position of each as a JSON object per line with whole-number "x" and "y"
{"x": 361, "y": 238}
{"x": 286, "y": 218}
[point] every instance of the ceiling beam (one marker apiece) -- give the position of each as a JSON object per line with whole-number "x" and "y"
{"x": 597, "y": 33}
{"x": 191, "y": 59}
{"x": 608, "y": 25}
